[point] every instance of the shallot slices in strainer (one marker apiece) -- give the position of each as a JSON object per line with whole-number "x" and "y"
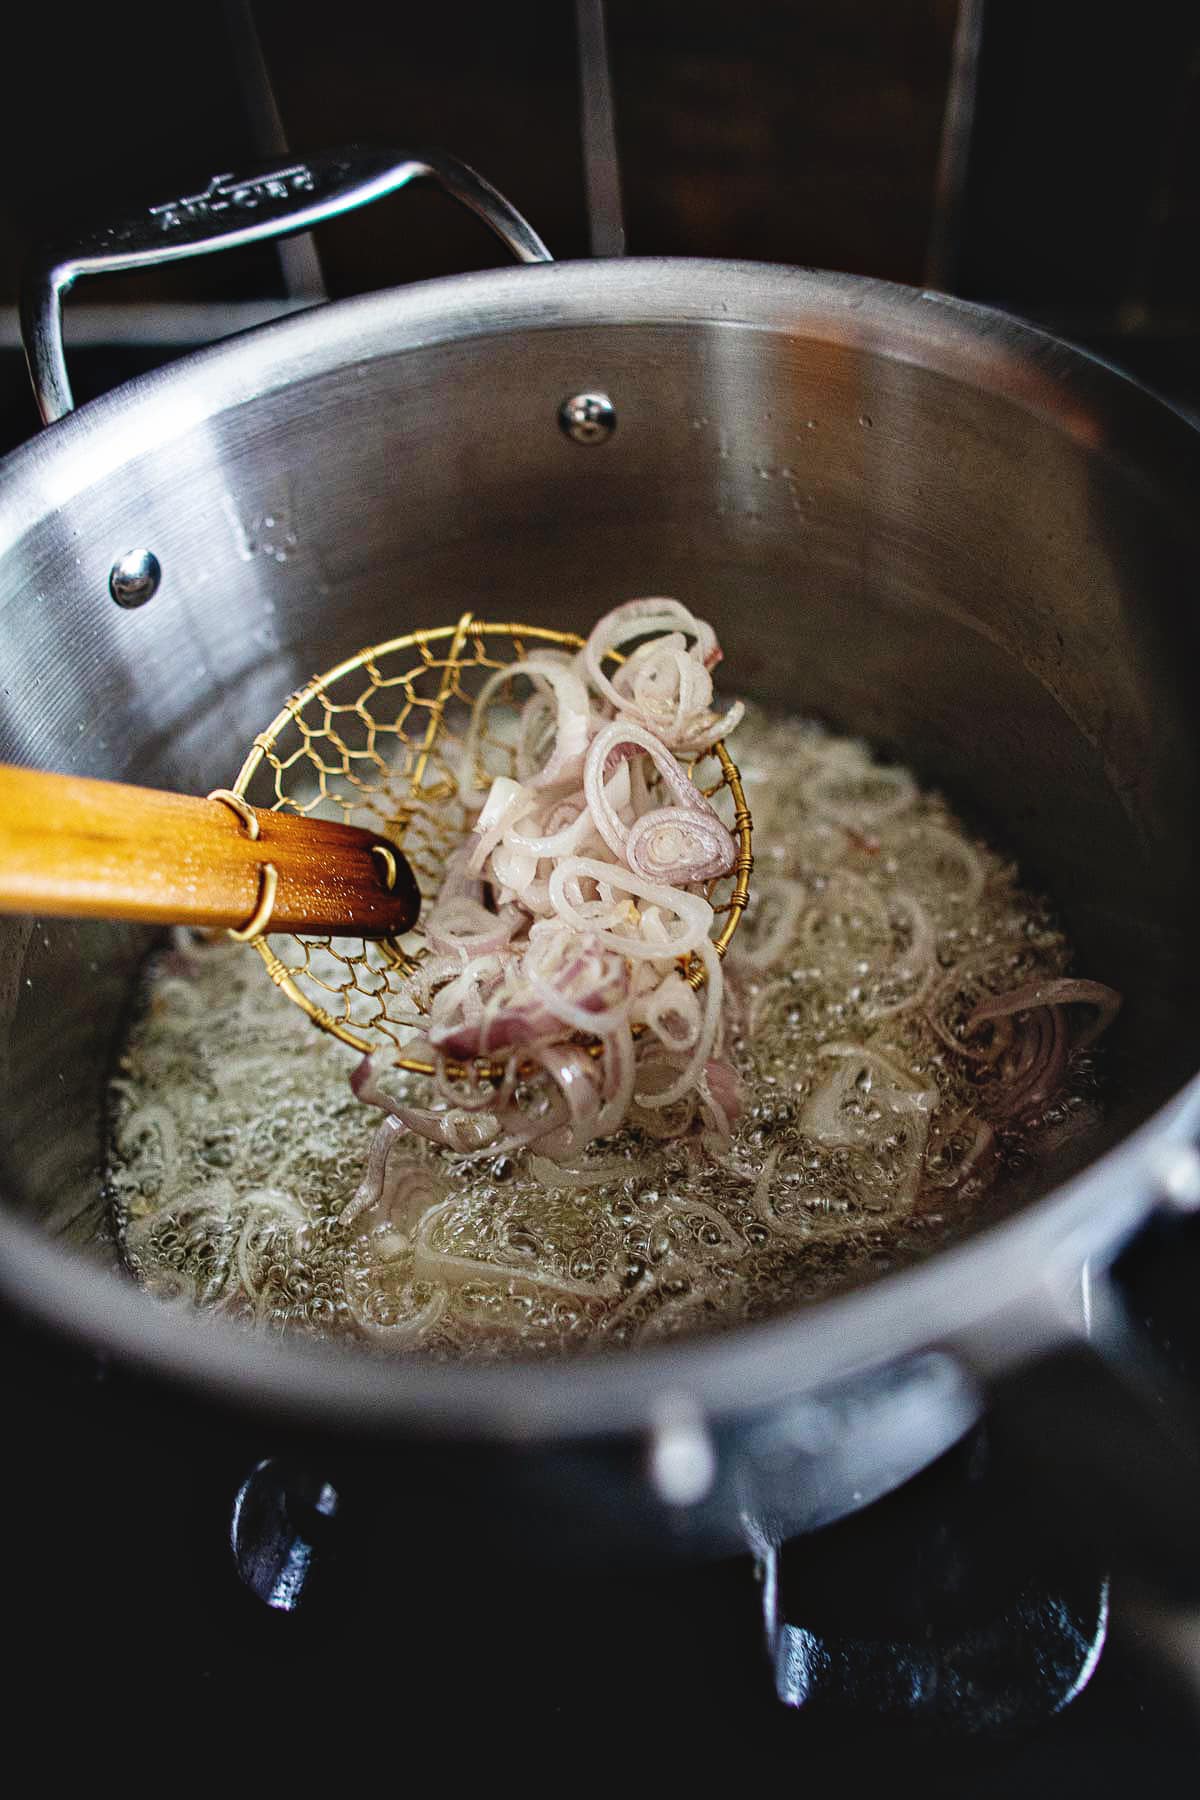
{"x": 571, "y": 937}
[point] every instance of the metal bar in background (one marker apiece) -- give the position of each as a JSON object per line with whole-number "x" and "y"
{"x": 1136, "y": 305}
{"x": 298, "y": 259}
{"x": 601, "y": 166}
{"x": 944, "y": 250}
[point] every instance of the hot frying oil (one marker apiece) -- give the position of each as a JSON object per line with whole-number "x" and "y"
{"x": 867, "y": 1137}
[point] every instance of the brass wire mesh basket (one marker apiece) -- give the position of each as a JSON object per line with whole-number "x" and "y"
{"x": 380, "y": 741}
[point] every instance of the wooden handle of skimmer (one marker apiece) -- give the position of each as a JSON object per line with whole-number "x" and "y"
{"x": 72, "y": 848}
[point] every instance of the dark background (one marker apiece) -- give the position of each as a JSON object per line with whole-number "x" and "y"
{"x": 787, "y": 130}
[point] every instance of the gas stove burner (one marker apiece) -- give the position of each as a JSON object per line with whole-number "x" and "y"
{"x": 936, "y": 1610}
{"x": 941, "y": 1610}
{"x": 282, "y": 1518}
{"x": 1016, "y": 1669}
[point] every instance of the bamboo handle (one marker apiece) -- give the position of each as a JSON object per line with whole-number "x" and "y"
{"x": 73, "y": 848}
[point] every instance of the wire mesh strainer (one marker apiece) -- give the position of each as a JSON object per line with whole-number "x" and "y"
{"x": 380, "y": 741}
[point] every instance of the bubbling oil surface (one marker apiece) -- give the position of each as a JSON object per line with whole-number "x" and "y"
{"x": 864, "y": 1143}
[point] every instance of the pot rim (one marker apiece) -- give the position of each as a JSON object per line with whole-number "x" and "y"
{"x": 962, "y": 1293}
{"x": 1093, "y": 402}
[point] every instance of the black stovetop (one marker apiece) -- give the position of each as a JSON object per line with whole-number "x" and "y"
{"x": 962, "y": 1631}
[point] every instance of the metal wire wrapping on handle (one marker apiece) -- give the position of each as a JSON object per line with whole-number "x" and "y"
{"x": 268, "y": 875}
{"x": 380, "y": 741}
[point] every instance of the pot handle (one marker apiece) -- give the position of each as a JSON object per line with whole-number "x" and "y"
{"x": 275, "y": 200}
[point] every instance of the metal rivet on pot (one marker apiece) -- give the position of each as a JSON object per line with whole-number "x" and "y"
{"x": 682, "y": 1461}
{"x": 134, "y": 578}
{"x": 588, "y": 418}
{"x": 1179, "y": 1177}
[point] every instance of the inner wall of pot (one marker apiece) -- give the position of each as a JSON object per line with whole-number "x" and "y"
{"x": 999, "y": 601}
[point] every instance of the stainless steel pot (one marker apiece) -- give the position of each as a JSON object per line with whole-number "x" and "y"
{"x": 917, "y": 518}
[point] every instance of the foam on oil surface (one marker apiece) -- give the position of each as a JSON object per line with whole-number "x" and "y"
{"x": 235, "y": 1141}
